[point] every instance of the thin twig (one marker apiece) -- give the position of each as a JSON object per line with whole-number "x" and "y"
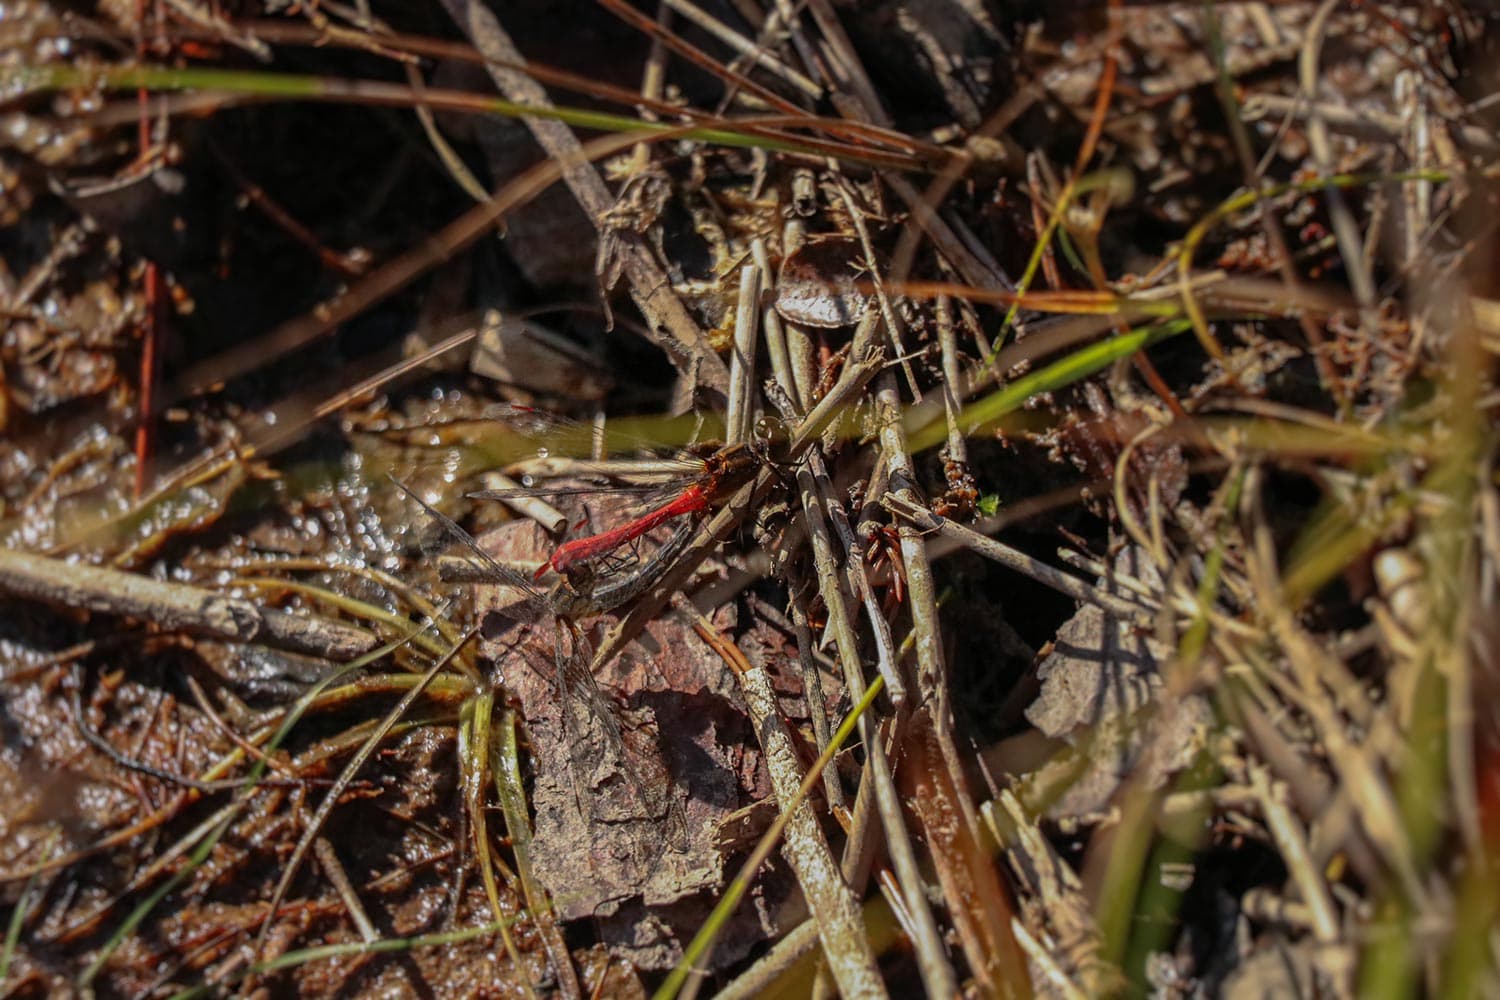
{"x": 1344, "y": 227}
{"x": 328, "y": 859}
{"x": 776, "y": 339}
{"x": 666, "y": 316}
{"x": 543, "y": 513}
{"x": 1019, "y": 561}
{"x": 176, "y": 606}
{"x": 817, "y": 704}
{"x": 755, "y": 53}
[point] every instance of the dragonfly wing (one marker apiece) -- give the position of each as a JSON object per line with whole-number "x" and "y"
{"x": 600, "y": 758}
{"x": 480, "y": 565}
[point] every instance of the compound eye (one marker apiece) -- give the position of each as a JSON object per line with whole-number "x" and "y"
{"x": 767, "y": 429}
{"x": 770, "y": 437}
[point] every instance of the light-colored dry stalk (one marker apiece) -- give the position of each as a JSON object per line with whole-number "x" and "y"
{"x": 1291, "y": 841}
{"x": 1043, "y": 959}
{"x": 1056, "y": 908}
{"x": 176, "y": 606}
{"x": 933, "y": 965}
{"x": 954, "y": 385}
{"x": 1360, "y": 774}
{"x": 756, "y": 54}
{"x": 333, "y": 869}
{"x": 835, "y": 909}
{"x": 1362, "y": 122}
{"x": 864, "y": 835}
{"x": 801, "y": 354}
{"x": 932, "y": 673}
{"x": 817, "y": 703}
{"x": 932, "y": 680}
{"x": 1312, "y": 790}
{"x": 937, "y": 973}
{"x": 776, "y": 339}
{"x": 653, "y": 81}
{"x": 782, "y": 19}
{"x": 911, "y": 899}
{"x": 741, "y": 412}
{"x": 768, "y": 970}
{"x": 534, "y": 507}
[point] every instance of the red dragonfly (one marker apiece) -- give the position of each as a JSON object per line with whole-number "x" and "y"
{"x": 695, "y": 483}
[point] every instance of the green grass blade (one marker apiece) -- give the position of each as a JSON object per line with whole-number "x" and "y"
{"x": 1076, "y": 366}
